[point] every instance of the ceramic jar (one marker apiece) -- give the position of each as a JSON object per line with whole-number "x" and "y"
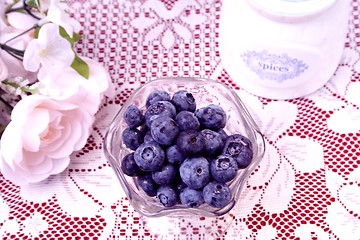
{"x": 282, "y": 49}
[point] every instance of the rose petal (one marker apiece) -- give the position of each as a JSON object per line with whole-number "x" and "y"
{"x": 31, "y": 136}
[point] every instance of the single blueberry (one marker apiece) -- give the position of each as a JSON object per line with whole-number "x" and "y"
{"x": 158, "y": 109}
{"x": 240, "y": 148}
{"x": 149, "y": 156}
{"x": 223, "y": 168}
{"x": 167, "y": 195}
{"x": 132, "y": 138}
{"x": 223, "y": 134}
{"x": 148, "y": 137}
{"x": 195, "y": 172}
{"x": 159, "y": 95}
{"x": 213, "y": 142}
{"x": 166, "y": 175}
{"x": 212, "y": 117}
{"x": 133, "y": 116}
{"x": 217, "y": 194}
{"x": 147, "y": 184}
{"x": 190, "y": 142}
{"x": 129, "y": 166}
{"x": 187, "y": 120}
{"x": 164, "y": 130}
{"x": 191, "y": 198}
{"x": 174, "y": 155}
{"x": 184, "y": 101}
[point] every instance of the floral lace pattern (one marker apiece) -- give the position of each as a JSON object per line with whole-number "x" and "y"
{"x": 306, "y": 187}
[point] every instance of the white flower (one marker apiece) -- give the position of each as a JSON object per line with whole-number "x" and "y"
{"x": 58, "y": 15}
{"x": 3, "y": 70}
{"x": 50, "y": 53}
{"x": 89, "y": 91}
{"x": 42, "y": 134}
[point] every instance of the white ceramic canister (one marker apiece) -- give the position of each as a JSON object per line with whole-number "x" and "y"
{"x": 282, "y": 49}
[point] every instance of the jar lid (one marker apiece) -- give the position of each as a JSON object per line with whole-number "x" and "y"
{"x": 293, "y": 8}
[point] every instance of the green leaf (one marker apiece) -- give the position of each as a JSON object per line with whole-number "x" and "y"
{"x": 36, "y": 32}
{"x": 33, "y": 4}
{"x": 76, "y": 37}
{"x": 81, "y": 67}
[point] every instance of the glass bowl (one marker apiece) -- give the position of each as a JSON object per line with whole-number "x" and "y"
{"x": 205, "y": 92}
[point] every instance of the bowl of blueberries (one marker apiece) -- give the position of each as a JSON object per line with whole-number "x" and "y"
{"x": 183, "y": 146}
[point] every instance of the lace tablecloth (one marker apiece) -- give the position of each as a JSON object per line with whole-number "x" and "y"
{"x": 306, "y": 187}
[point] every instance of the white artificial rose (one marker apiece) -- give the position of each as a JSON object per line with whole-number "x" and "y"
{"x": 42, "y": 134}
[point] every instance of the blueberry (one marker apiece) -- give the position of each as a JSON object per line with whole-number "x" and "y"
{"x": 184, "y": 101}
{"x": 133, "y": 116}
{"x": 166, "y": 175}
{"x": 223, "y": 168}
{"x": 223, "y": 134}
{"x": 158, "y": 109}
{"x": 191, "y": 198}
{"x": 174, "y": 155}
{"x": 149, "y": 156}
{"x": 195, "y": 172}
{"x": 147, "y": 184}
{"x": 129, "y": 166}
{"x": 217, "y": 194}
{"x": 164, "y": 130}
{"x": 155, "y": 96}
{"x": 212, "y": 117}
{"x": 213, "y": 142}
{"x": 132, "y": 138}
{"x": 148, "y": 137}
{"x": 187, "y": 120}
{"x": 167, "y": 195}
{"x": 240, "y": 148}
{"x": 190, "y": 142}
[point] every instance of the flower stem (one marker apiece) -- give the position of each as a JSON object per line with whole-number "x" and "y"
{"x": 19, "y": 35}
{"x": 26, "y": 7}
{"x": 16, "y": 53}
{"x": 6, "y": 103}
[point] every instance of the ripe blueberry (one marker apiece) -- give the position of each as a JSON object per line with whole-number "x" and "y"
{"x": 149, "y": 156}
{"x": 240, "y": 148}
{"x": 164, "y": 130}
{"x": 213, "y": 142}
{"x": 212, "y": 117}
{"x": 223, "y": 168}
{"x": 133, "y": 116}
{"x": 158, "y": 95}
{"x": 166, "y": 175}
{"x": 158, "y": 109}
{"x": 191, "y": 198}
{"x": 184, "y": 101}
{"x": 174, "y": 155}
{"x": 190, "y": 142}
{"x": 195, "y": 172}
{"x": 187, "y": 120}
{"x": 129, "y": 166}
{"x": 147, "y": 184}
{"x": 167, "y": 195}
{"x": 132, "y": 138}
{"x": 217, "y": 194}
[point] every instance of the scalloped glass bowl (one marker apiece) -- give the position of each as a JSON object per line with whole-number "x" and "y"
{"x": 205, "y": 91}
